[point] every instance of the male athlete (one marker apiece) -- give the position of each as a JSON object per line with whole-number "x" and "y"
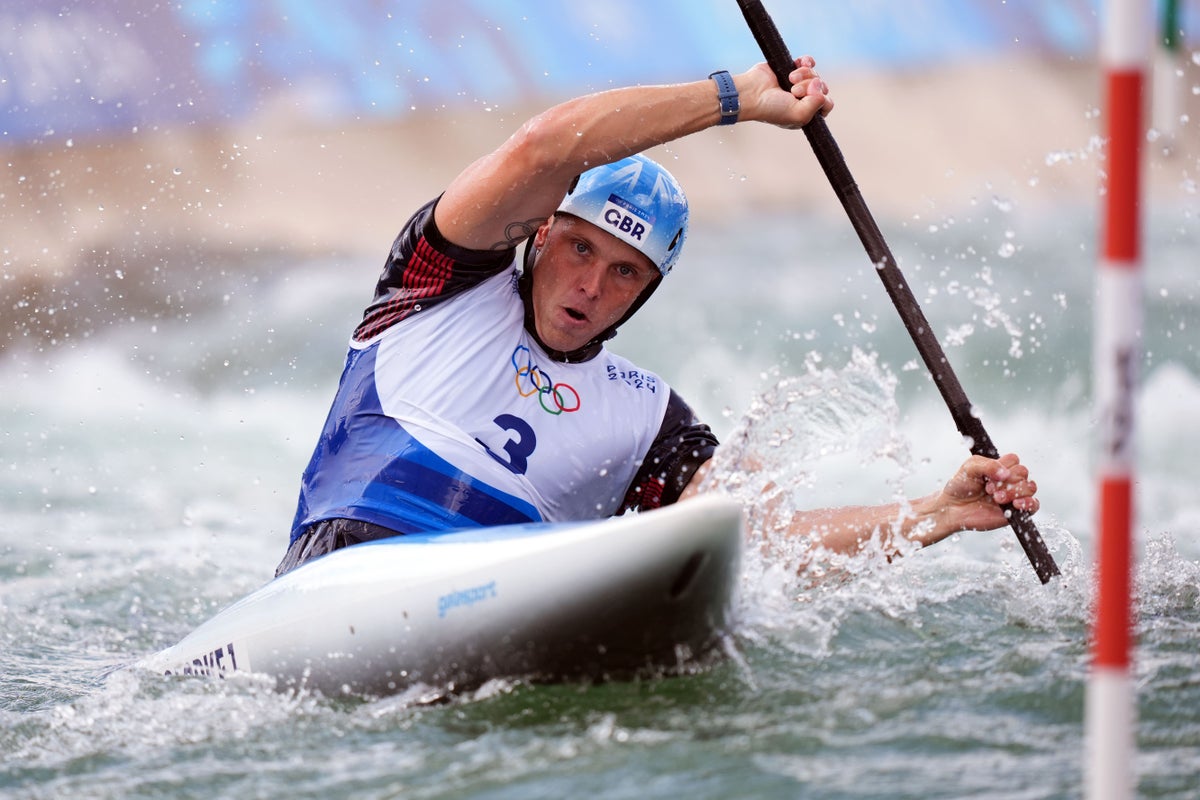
{"x": 478, "y": 391}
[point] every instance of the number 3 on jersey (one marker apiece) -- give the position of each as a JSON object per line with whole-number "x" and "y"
{"x": 518, "y": 448}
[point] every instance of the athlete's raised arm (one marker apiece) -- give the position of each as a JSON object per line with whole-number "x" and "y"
{"x": 500, "y": 199}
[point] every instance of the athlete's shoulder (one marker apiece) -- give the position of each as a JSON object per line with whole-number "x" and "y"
{"x": 423, "y": 269}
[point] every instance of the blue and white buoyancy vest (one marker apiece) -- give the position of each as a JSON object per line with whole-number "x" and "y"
{"x": 456, "y": 417}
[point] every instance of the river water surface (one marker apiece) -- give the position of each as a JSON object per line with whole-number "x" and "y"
{"x": 149, "y": 464}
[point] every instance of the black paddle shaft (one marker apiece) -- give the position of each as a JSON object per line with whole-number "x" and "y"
{"x": 829, "y": 155}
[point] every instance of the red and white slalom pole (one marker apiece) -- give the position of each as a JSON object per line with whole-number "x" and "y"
{"x": 1110, "y": 708}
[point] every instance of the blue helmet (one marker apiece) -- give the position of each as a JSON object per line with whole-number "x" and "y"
{"x": 637, "y": 201}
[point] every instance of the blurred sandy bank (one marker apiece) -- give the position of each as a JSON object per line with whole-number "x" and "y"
{"x": 188, "y": 200}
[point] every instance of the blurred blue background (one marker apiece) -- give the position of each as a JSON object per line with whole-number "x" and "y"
{"x": 72, "y": 68}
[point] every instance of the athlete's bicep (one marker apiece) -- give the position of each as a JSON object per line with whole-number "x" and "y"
{"x": 500, "y": 200}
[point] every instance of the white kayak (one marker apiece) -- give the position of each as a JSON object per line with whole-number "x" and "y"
{"x": 638, "y": 594}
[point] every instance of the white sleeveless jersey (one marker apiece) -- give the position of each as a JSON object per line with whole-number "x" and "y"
{"x": 456, "y": 416}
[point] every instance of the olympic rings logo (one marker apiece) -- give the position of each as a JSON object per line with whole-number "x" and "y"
{"x": 555, "y": 398}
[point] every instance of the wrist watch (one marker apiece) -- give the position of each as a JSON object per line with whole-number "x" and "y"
{"x": 727, "y": 93}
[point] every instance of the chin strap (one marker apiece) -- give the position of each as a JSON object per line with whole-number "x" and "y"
{"x": 592, "y": 348}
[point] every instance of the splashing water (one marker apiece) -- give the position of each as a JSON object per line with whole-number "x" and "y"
{"x": 145, "y": 485}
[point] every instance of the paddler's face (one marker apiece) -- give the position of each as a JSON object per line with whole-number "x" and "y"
{"x": 584, "y": 281}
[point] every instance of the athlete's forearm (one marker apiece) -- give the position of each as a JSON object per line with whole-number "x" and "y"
{"x": 603, "y": 127}
{"x": 505, "y": 195}
{"x": 606, "y": 126}
{"x": 501, "y": 199}
{"x": 846, "y": 530}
